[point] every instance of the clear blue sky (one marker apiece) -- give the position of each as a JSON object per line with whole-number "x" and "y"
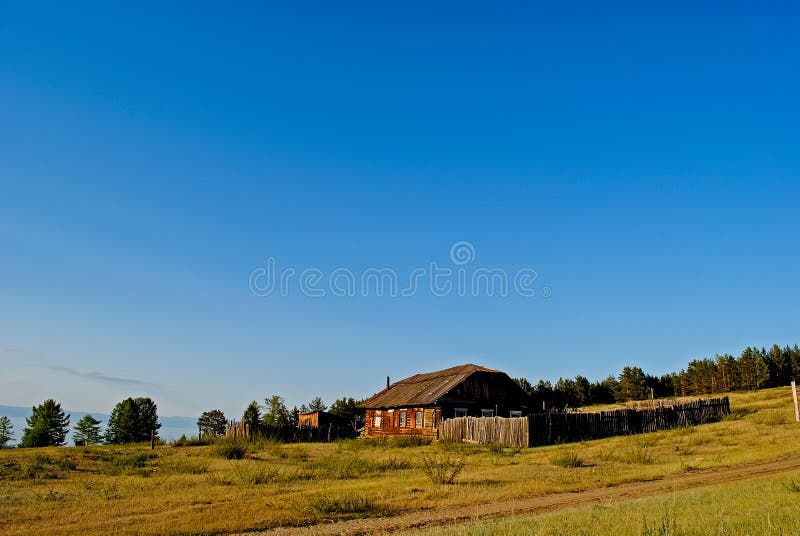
{"x": 643, "y": 159}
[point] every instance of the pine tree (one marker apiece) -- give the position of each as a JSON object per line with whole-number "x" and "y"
{"x": 317, "y": 405}
{"x": 132, "y": 421}
{"x": 6, "y": 431}
{"x": 148, "y": 418}
{"x": 347, "y": 409}
{"x": 276, "y": 413}
{"x": 212, "y": 423}
{"x": 87, "y": 431}
{"x": 294, "y": 416}
{"x": 252, "y": 416}
{"x": 47, "y": 426}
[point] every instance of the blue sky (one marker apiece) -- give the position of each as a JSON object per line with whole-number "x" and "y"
{"x": 641, "y": 158}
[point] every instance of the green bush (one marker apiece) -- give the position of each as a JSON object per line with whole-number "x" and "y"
{"x": 737, "y": 414}
{"x": 135, "y": 463}
{"x": 187, "y": 466}
{"x": 567, "y": 458}
{"x": 350, "y": 504}
{"x": 640, "y": 454}
{"x": 408, "y": 441}
{"x": 183, "y": 441}
{"x": 442, "y": 469}
{"x": 793, "y": 486}
{"x": 254, "y": 476}
{"x": 232, "y": 450}
{"x": 39, "y": 466}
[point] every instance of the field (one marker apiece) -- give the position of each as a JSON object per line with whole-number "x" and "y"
{"x": 739, "y": 476}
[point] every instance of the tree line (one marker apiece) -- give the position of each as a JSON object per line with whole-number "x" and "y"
{"x": 753, "y": 369}
{"x": 274, "y": 413}
{"x": 132, "y": 420}
{"x": 135, "y": 420}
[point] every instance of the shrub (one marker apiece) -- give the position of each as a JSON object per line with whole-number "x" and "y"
{"x": 443, "y": 468}
{"x": 231, "y": 450}
{"x": 39, "y": 466}
{"x": 793, "y": 486}
{"x": 349, "y": 504}
{"x": 135, "y": 463}
{"x": 408, "y": 441}
{"x": 666, "y": 527}
{"x": 638, "y": 454}
{"x": 186, "y": 466}
{"x": 737, "y": 414}
{"x": 105, "y": 490}
{"x": 567, "y": 458}
{"x": 183, "y": 441}
{"x": 345, "y": 467}
{"x": 66, "y": 464}
{"x": 254, "y": 476}
{"x": 392, "y": 463}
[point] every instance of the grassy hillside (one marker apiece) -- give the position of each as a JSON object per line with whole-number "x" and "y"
{"x": 195, "y": 490}
{"x": 758, "y": 507}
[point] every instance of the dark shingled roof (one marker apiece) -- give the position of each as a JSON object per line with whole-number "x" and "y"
{"x": 422, "y": 389}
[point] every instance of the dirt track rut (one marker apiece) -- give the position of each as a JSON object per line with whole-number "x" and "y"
{"x": 546, "y": 503}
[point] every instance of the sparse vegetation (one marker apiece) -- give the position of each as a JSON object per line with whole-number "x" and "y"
{"x": 443, "y": 468}
{"x": 232, "y": 450}
{"x": 91, "y": 490}
{"x": 567, "y": 458}
{"x": 348, "y": 505}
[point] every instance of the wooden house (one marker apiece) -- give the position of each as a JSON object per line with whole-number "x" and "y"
{"x": 417, "y": 405}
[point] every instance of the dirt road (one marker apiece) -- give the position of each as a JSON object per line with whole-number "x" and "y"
{"x": 546, "y": 503}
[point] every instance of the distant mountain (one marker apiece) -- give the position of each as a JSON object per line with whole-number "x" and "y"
{"x": 171, "y": 427}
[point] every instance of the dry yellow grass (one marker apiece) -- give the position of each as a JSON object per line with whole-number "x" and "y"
{"x": 191, "y": 490}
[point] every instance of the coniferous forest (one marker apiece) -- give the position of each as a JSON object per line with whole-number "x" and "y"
{"x": 754, "y": 369}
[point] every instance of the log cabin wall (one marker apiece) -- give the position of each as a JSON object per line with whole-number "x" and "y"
{"x": 402, "y": 422}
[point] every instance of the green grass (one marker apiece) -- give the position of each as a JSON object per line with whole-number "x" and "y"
{"x": 346, "y": 506}
{"x": 567, "y": 458}
{"x": 755, "y": 507}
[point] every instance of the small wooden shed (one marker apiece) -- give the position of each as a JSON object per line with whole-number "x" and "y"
{"x": 315, "y": 419}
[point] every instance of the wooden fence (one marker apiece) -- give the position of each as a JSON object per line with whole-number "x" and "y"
{"x": 291, "y": 434}
{"x": 550, "y": 428}
{"x": 486, "y": 430}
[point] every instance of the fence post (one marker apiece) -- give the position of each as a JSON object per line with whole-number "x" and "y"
{"x": 796, "y": 407}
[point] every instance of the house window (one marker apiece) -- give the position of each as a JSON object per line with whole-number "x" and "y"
{"x": 418, "y": 419}
{"x": 460, "y": 412}
{"x": 514, "y": 413}
{"x": 376, "y": 422}
{"x": 402, "y": 419}
{"x": 487, "y": 413}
